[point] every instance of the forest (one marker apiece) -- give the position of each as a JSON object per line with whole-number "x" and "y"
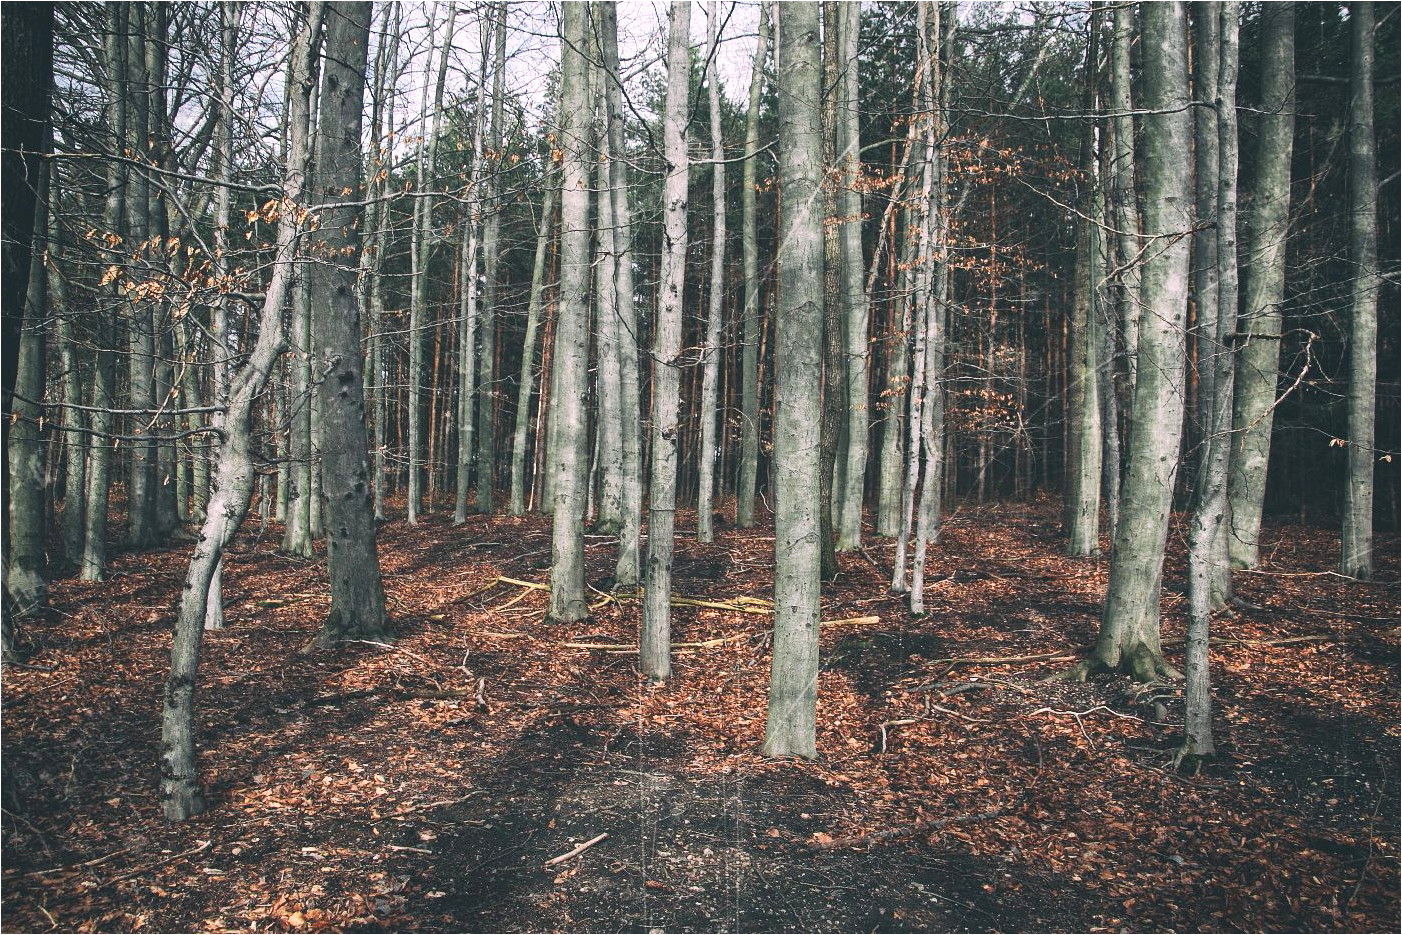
{"x": 723, "y": 466}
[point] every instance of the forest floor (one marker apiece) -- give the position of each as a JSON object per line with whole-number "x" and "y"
{"x": 427, "y": 786}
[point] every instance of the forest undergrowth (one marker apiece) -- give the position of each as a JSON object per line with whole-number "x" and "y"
{"x": 430, "y": 785}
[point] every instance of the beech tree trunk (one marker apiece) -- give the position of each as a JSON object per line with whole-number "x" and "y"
{"x": 747, "y": 481}
{"x": 491, "y": 271}
{"x": 569, "y": 424}
{"x": 1253, "y": 414}
{"x": 790, "y": 725}
{"x": 1129, "y": 626}
{"x": 1356, "y": 559}
{"x": 181, "y": 795}
{"x": 710, "y": 379}
{"x": 655, "y": 647}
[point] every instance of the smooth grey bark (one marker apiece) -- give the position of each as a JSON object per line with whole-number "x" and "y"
{"x": 386, "y": 67}
{"x": 525, "y": 388}
{"x": 76, "y": 441}
{"x": 1129, "y": 627}
{"x": 420, "y": 252}
{"x": 297, "y": 533}
{"x": 94, "y": 561}
{"x": 1206, "y": 40}
{"x": 627, "y": 570}
{"x": 357, "y": 594}
{"x": 1258, "y": 366}
{"x": 1206, "y": 554}
{"x": 26, "y": 588}
{"x": 219, "y": 314}
{"x": 491, "y": 266}
{"x": 469, "y": 309}
{"x": 181, "y": 795}
{"x": 710, "y": 376}
{"x": 855, "y": 305}
{"x": 1126, "y": 210}
{"x": 747, "y": 480}
{"x": 941, "y": 22}
{"x": 834, "y": 371}
{"x": 655, "y": 654}
{"x": 790, "y": 724}
{"x": 1356, "y": 555}
{"x": 609, "y": 337}
{"x": 916, "y": 316}
{"x": 569, "y": 381}
{"x": 1084, "y": 448}
{"x": 142, "y": 530}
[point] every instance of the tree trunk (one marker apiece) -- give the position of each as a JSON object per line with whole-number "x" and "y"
{"x": 609, "y": 338}
{"x": 655, "y": 650}
{"x": 627, "y": 570}
{"x": 181, "y": 796}
{"x": 569, "y": 384}
{"x": 297, "y": 534}
{"x": 1129, "y": 627}
{"x": 1253, "y": 412}
{"x": 1356, "y": 559}
{"x": 357, "y": 595}
{"x": 526, "y": 386}
{"x": 1206, "y": 557}
{"x": 749, "y": 240}
{"x": 76, "y": 441}
{"x": 25, "y": 586}
{"x": 1126, "y": 210}
{"x": 790, "y": 725}
{"x": 491, "y": 266}
{"x": 856, "y": 308}
{"x": 94, "y": 562}
{"x": 710, "y": 380}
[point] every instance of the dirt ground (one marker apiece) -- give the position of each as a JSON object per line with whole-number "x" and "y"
{"x": 424, "y": 787}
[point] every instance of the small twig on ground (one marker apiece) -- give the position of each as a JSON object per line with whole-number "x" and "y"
{"x": 203, "y": 845}
{"x": 576, "y": 851}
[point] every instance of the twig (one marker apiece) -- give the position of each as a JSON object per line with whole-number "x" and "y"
{"x": 576, "y": 851}
{"x": 203, "y": 845}
{"x": 708, "y": 644}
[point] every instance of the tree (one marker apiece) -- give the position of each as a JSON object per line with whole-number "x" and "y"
{"x": 1356, "y": 559}
{"x": 749, "y": 244}
{"x": 1253, "y": 413}
{"x": 715, "y": 305}
{"x": 181, "y": 795}
{"x": 568, "y": 385}
{"x": 655, "y": 650}
{"x": 1207, "y": 556}
{"x": 357, "y": 595}
{"x": 1129, "y": 624}
{"x": 793, "y": 677}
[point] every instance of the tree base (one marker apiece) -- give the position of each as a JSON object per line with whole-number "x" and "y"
{"x": 182, "y": 800}
{"x": 1139, "y": 661}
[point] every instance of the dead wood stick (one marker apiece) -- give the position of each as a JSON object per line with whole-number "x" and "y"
{"x": 905, "y": 831}
{"x": 203, "y": 845}
{"x": 576, "y": 851}
{"x": 87, "y": 863}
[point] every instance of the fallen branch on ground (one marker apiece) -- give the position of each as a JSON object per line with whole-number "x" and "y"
{"x": 709, "y": 644}
{"x": 577, "y": 851}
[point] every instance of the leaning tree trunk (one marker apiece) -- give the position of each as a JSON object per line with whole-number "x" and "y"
{"x": 655, "y": 649}
{"x": 181, "y": 795}
{"x": 1253, "y": 414}
{"x": 570, "y": 380}
{"x": 749, "y": 241}
{"x": 710, "y": 378}
{"x": 790, "y": 725}
{"x": 1129, "y": 626}
{"x": 1356, "y": 558}
{"x": 1206, "y": 557}
{"x": 526, "y": 386}
{"x": 357, "y": 595}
